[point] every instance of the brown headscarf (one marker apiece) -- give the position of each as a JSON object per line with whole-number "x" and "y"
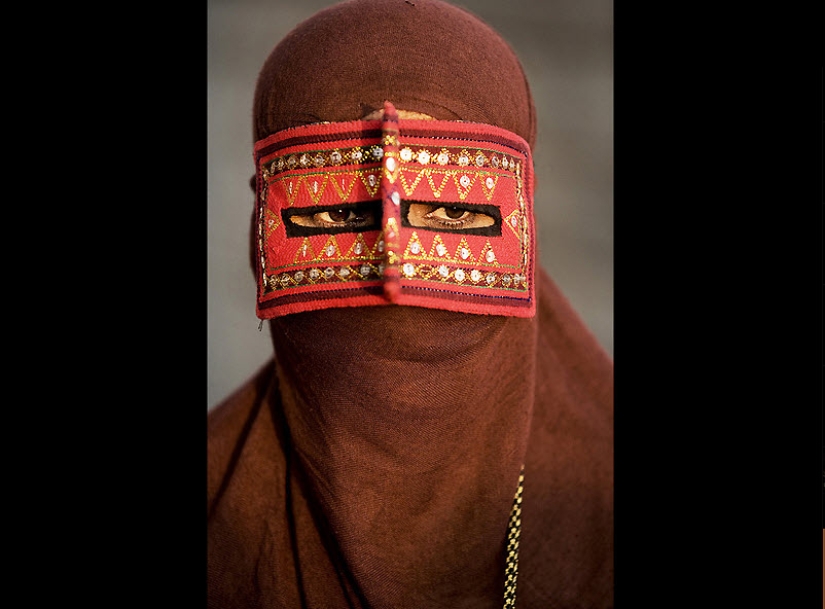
{"x": 374, "y": 464}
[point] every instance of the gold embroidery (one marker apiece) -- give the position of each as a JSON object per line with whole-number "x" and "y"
{"x": 316, "y": 192}
{"x": 305, "y": 252}
{"x": 344, "y": 191}
{"x": 488, "y": 255}
{"x": 489, "y": 184}
{"x": 409, "y": 188}
{"x": 414, "y": 248}
{"x": 445, "y": 273}
{"x": 359, "y": 249}
{"x": 272, "y": 223}
{"x": 378, "y": 248}
{"x": 391, "y": 229}
{"x": 343, "y": 182}
{"x": 463, "y": 183}
{"x": 525, "y": 241}
{"x": 409, "y": 172}
{"x": 369, "y": 153}
{"x": 391, "y": 166}
{"x": 330, "y": 250}
{"x": 438, "y": 251}
{"x": 463, "y": 251}
{"x": 512, "y": 221}
{"x": 444, "y": 180}
{"x": 291, "y": 189}
{"x": 371, "y": 180}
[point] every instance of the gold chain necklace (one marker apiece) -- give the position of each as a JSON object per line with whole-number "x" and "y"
{"x": 514, "y": 532}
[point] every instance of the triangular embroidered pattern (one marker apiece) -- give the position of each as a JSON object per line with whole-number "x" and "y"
{"x": 343, "y": 185}
{"x": 488, "y": 184}
{"x": 463, "y": 183}
{"x": 330, "y": 249}
{"x": 409, "y": 183}
{"x": 378, "y": 249}
{"x": 463, "y": 253}
{"x": 513, "y": 222}
{"x": 371, "y": 180}
{"x": 438, "y": 249}
{"x": 487, "y": 255}
{"x": 316, "y": 189}
{"x": 415, "y": 249}
{"x": 291, "y": 187}
{"x": 444, "y": 181}
{"x": 359, "y": 248}
{"x": 271, "y": 223}
{"x": 305, "y": 252}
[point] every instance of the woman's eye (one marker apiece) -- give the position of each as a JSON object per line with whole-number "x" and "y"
{"x": 339, "y": 215}
{"x": 450, "y": 213}
{"x": 335, "y": 218}
{"x": 329, "y": 219}
{"x": 447, "y": 217}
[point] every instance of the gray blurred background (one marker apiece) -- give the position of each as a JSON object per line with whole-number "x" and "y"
{"x": 566, "y": 47}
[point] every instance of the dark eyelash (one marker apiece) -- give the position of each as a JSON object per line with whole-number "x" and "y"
{"x": 453, "y": 223}
{"x": 349, "y": 224}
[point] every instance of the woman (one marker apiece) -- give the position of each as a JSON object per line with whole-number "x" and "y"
{"x": 436, "y": 426}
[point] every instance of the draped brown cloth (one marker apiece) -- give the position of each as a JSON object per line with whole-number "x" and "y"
{"x": 373, "y": 463}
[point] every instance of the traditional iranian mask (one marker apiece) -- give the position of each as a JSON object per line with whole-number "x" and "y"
{"x": 425, "y": 213}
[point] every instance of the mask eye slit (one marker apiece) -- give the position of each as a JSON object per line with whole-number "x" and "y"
{"x": 452, "y": 217}
{"x": 332, "y": 219}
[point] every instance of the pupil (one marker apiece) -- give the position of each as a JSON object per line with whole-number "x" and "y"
{"x": 454, "y": 212}
{"x": 338, "y": 215}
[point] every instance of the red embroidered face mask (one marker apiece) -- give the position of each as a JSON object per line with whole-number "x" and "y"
{"x": 425, "y": 213}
